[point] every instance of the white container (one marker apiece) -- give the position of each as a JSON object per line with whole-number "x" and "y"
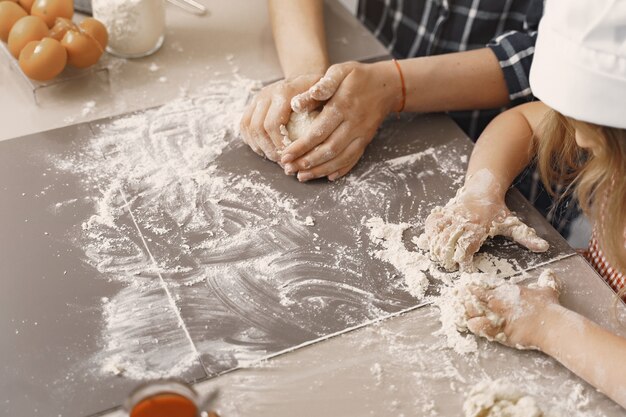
{"x": 136, "y": 27}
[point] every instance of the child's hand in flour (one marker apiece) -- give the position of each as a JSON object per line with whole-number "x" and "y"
{"x": 454, "y": 233}
{"x": 510, "y": 314}
{"x": 358, "y": 97}
{"x": 271, "y": 108}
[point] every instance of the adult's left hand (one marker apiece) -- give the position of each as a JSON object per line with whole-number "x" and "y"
{"x": 358, "y": 97}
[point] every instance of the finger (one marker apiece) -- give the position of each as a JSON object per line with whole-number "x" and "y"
{"x": 345, "y": 158}
{"x": 277, "y": 115}
{"x": 245, "y": 130}
{"x": 467, "y": 246}
{"x": 482, "y": 326}
{"x": 329, "y": 149}
{"x": 438, "y": 234}
{"x": 323, "y": 126}
{"x": 258, "y": 132}
{"x": 481, "y": 294}
{"x": 431, "y": 226}
{"x": 521, "y": 233}
{"x": 326, "y": 87}
{"x": 342, "y": 172}
{"x": 446, "y": 245}
{"x": 548, "y": 279}
{"x": 322, "y": 90}
{"x": 244, "y": 124}
{"x": 473, "y": 309}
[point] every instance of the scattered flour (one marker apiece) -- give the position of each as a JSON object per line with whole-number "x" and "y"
{"x": 410, "y": 159}
{"x": 487, "y": 263}
{"x": 159, "y": 163}
{"x": 88, "y": 108}
{"x": 410, "y": 264}
{"x": 198, "y": 241}
{"x": 377, "y": 372}
{"x": 499, "y": 398}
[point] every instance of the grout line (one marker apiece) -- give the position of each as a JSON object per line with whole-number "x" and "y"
{"x": 246, "y": 365}
{"x": 179, "y": 316}
{"x": 379, "y": 319}
{"x": 545, "y": 263}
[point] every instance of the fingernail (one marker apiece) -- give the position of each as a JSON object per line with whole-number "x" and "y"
{"x": 333, "y": 177}
{"x": 290, "y": 169}
{"x": 287, "y": 158}
{"x": 304, "y": 176}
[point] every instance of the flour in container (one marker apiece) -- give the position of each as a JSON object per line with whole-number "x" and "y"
{"x": 136, "y": 27}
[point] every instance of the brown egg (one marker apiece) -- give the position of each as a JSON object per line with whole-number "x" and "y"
{"x": 96, "y": 30}
{"x": 49, "y": 10}
{"x": 9, "y": 14}
{"x": 60, "y": 28}
{"x": 82, "y": 50}
{"x": 27, "y": 29}
{"x": 43, "y": 60}
{"x": 26, "y": 4}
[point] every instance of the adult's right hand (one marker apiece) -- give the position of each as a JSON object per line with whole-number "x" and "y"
{"x": 270, "y": 108}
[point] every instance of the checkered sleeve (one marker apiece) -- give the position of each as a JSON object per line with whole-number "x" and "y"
{"x": 514, "y": 50}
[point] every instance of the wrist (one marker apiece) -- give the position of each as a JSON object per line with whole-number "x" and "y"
{"x": 389, "y": 82}
{"x": 550, "y": 319}
{"x": 483, "y": 185}
{"x": 307, "y": 68}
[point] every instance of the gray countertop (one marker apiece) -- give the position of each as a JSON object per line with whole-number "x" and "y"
{"x": 86, "y": 321}
{"x": 158, "y": 245}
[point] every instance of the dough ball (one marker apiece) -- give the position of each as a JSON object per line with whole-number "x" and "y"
{"x": 499, "y": 398}
{"x": 298, "y": 125}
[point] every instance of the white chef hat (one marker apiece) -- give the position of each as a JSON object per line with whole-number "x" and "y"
{"x": 579, "y": 66}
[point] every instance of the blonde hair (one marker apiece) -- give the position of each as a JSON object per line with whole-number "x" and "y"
{"x": 596, "y": 176}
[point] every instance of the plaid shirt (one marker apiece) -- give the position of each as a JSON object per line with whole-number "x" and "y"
{"x": 411, "y": 28}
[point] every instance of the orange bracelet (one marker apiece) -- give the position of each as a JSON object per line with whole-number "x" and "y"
{"x": 395, "y": 61}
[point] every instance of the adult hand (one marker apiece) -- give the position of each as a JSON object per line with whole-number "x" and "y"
{"x": 358, "y": 97}
{"x": 454, "y": 233}
{"x": 519, "y": 311}
{"x": 270, "y": 108}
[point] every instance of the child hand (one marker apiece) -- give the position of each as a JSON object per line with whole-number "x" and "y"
{"x": 454, "y": 233}
{"x": 271, "y": 108}
{"x": 510, "y": 314}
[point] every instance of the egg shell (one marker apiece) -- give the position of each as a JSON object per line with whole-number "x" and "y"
{"x": 9, "y": 14}
{"x": 26, "y": 4}
{"x": 82, "y": 50}
{"x": 43, "y": 60}
{"x": 60, "y": 28}
{"x": 96, "y": 30}
{"x": 27, "y": 29}
{"x": 49, "y": 10}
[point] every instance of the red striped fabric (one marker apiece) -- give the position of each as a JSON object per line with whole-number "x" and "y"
{"x": 595, "y": 257}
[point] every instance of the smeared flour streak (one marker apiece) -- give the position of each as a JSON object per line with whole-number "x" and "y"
{"x": 215, "y": 261}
